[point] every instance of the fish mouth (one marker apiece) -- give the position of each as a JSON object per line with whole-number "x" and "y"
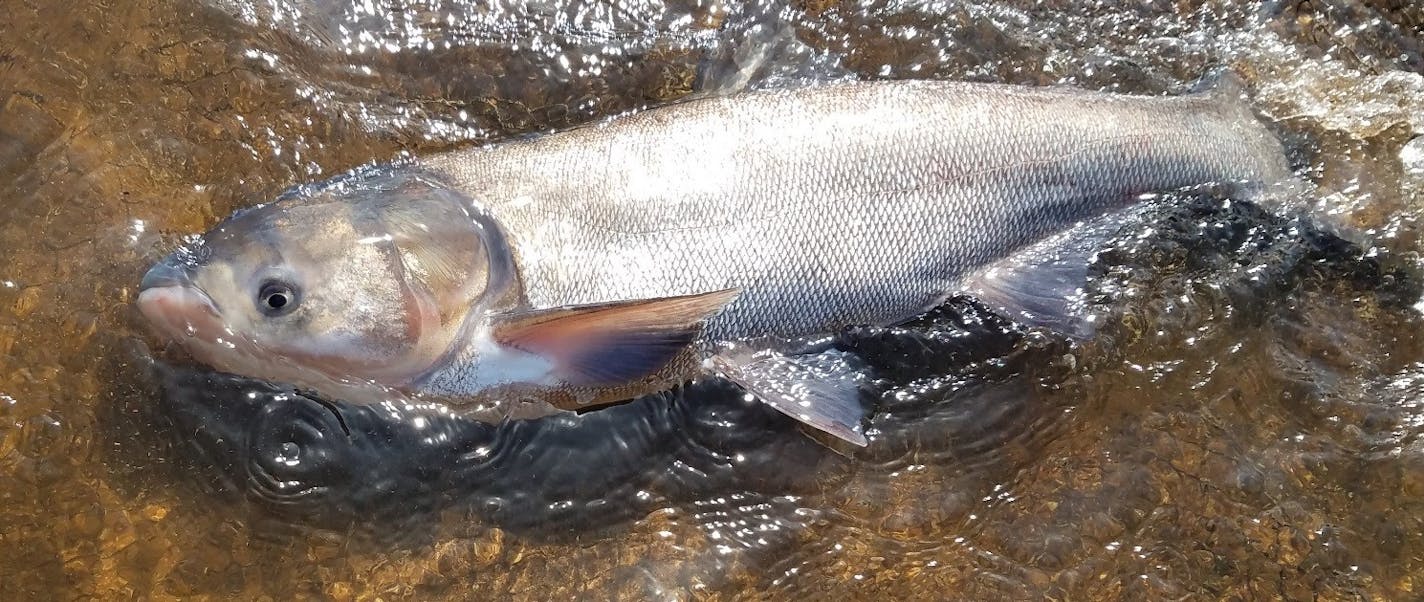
{"x": 175, "y": 306}
{"x": 179, "y": 311}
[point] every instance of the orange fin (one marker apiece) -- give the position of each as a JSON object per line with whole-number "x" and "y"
{"x": 611, "y": 343}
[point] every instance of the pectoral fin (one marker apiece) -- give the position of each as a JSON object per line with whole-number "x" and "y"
{"x": 612, "y": 343}
{"x": 820, "y": 390}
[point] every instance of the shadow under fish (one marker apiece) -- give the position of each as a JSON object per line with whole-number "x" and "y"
{"x": 307, "y": 461}
{"x": 954, "y": 385}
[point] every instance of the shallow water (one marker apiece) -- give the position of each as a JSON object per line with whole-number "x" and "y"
{"x": 1246, "y": 426}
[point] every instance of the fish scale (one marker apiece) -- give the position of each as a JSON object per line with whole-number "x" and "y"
{"x": 840, "y": 204}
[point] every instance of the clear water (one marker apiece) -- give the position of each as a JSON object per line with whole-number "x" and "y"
{"x": 1247, "y": 426}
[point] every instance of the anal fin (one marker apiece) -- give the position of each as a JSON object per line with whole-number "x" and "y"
{"x": 820, "y": 390}
{"x": 1043, "y": 284}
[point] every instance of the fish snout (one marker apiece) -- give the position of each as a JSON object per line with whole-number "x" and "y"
{"x": 169, "y": 272}
{"x": 172, "y": 303}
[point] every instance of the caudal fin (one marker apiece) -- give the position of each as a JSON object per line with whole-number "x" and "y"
{"x": 1274, "y": 184}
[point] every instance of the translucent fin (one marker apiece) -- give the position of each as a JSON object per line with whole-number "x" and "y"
{"x": 1280, "y": 189}
{"x": 1222, "y": 83}
{"x": 1042, "y": 285}
{"x": 820, "y": 390}
{"x": 761, "y": 50}
{"x": 612, "y": 343}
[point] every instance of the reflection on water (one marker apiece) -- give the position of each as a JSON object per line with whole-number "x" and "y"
{"x": 1247, "y": 424}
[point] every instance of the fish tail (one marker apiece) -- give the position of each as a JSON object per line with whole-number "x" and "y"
{"x": 1224, "y": 90}
{"x": 1278, "y": 187}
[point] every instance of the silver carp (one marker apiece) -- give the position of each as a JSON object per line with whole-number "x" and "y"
{"x": 587, "y": 266}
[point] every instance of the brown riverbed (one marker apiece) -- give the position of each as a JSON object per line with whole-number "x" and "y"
{"x": 1247, "y": 427}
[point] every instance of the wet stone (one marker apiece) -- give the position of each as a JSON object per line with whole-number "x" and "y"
{"x": 1412, "y": 157}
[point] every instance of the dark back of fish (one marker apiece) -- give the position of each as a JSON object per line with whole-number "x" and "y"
{"x": 845, "y": 204}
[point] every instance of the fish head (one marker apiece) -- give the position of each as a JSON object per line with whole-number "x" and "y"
{"x": 368, "y": 278}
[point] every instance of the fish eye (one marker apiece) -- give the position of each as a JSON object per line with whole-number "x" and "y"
{"x": 276, "y": 298}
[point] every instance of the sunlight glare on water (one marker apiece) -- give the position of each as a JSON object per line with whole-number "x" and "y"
{"x": 432, "y": 65}
{"x": 1246, "y": 426}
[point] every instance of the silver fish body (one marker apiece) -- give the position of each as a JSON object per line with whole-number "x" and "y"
{"x": 591, "y": 265}
{"x": 859, "y": 203}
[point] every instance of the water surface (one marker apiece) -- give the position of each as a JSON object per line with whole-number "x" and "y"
{"x": 1247, "y": 426}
